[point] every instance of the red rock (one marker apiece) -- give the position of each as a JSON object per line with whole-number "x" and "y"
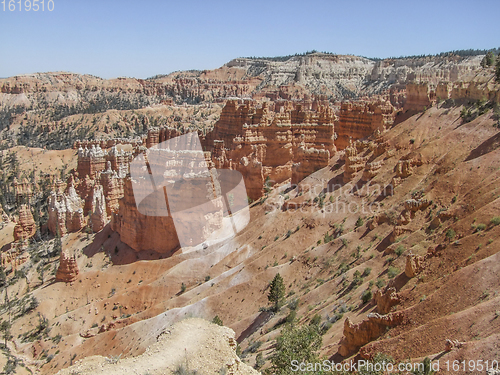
{"x": 68, "y": 268}
{"x": 386, "y": 299}
{"x": 357, "y": 335}
{"x": 25, "y": 227}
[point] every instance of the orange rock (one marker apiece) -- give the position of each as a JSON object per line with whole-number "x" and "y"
{"x": 385, "y": 299}
{"x": 68, "y": 268}
{"x": 357, "y": 335}
{"x": 25, "y": 227}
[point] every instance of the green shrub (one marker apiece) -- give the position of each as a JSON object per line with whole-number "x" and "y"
{"x": 450, "y": 233}
{"x": 399, "y": 250}
{"x": 359, "y": 222}
{"x": 295, "y": 343}
{"x": 367, "y": 271}
{"x": 480, "y": 227}
{"x": 366, "y": 296}
{"x": 392, "y": 272}
{"x": 380, "y": 283}
{"x": 293, "y": 304}
{"x": 217, "y": 320}
{"x": 495, "y": 220}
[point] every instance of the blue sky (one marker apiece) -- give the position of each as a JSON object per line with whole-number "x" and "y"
{"x": 111, "y": 38}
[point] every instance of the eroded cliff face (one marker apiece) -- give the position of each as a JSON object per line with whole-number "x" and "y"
{"x": 143, "y": 232}
{"x": 282, "y": 140}
{"x": 361, "y": 119}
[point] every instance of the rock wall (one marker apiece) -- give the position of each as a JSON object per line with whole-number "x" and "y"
{"x": 283, "y": 140}
{"x": 361, "y": 119}
{"x": 140, "y": 232}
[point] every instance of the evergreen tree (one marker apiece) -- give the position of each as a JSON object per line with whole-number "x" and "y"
{"x": 295, "y": 343}
{"x": 277, "y": 293}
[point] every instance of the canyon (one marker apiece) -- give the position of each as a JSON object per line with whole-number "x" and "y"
{"x": 369, "y": 192}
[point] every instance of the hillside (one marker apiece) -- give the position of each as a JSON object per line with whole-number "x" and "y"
{"x": 382, "y": 216}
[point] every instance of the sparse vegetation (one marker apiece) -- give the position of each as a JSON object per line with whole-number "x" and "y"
{"x": 392, "y": 272}
{"x": 366, "y": 296}
{"x": 276, "y": 294}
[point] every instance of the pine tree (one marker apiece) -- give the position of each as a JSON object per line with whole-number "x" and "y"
{"x": 277, "y": 293}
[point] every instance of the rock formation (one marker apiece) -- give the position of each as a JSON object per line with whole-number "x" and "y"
{"x": 25, "y": 227}
{"x": 404, "y": 168}
{"x": 143, "y": 232}
{"x": 419, "y": 96}
{"x": 98, "y": 209}
{"x": 282, "y": 140}
{"x": 361, "y": 119}
{"x": 65, "y": 211}
{"x": 371, "y": 170}
{"x": 398, "y": 231}
{"x": 414, "y": 265}
{"x": 357, "y": 335}
{"x": 386, "y": 299}
{"x": 449, "y": 345}
{"x": 68, "y": 268}
{"x": 353, "y": 162}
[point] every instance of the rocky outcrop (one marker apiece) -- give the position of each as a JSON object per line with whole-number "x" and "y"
{"x": 68, "y": 268}
{"x": 449, "y": 345}
{"x": 386, "y": 299}
{"x": 398, "y": 231}
{"x": 99, "y": 215}
{"x": 143, "y": 232}
{"x": 113, "y": 189}
{"x": 25, "y": 227}
{"x": 419, "y": 96}
{"x": 371, "y": 170}
{"x": 65, "y": 211}
{"x": 357, "y": 335}
{"x": 414, "y": 265}
{"x": 404, "y": 168}
{"x": 282, "y": 140}
{"x": 415, "y": 205}
{"x": 361, "y": 119}
{"x": 200, "y": 346}
{"x": 353, "y": 162}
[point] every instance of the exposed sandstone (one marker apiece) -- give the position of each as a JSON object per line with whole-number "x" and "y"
{"x": 98, "y": 209}
{"x": 68, "y": 268}
{"x": 449, "y": 345}
{"x": 357, "y": 335}
{"x": 416, "y": 204}
{"x": 414, "y": 265}
{"x": 65, "y": 211}
{"x": 386, "y": 299}
{"x": 353, "y": 162}
{"x": 398, "y": 231}
{"x": 143, "y": 232}
{"x": 404, "y": 168}
{"x": 419, "y": 96}
{"x": 282, "y": 140}
{"x": 371, "y": 170}
{"x": 25, "y": 227}
{"x": 361, "y": 119}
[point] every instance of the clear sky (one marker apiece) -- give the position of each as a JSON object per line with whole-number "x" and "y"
{"x": 112, "y": 38}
